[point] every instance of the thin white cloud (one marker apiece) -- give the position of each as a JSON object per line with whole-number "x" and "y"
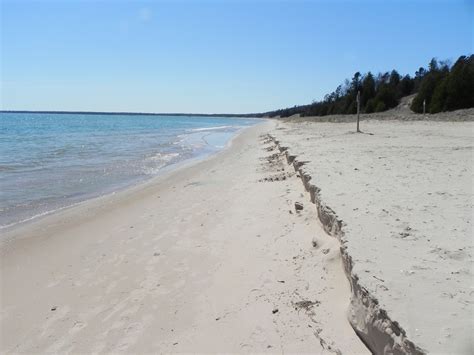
{"x": 145, "y": 14}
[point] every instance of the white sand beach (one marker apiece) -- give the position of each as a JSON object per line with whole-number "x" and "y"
{"x": 208, "y": 258}
{"x": 189, "y": 177}
{"x": 214, "y": 256}
{"x": 401, "y": 200}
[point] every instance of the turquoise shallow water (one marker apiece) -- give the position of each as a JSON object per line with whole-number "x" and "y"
{"x": 49, "y": 161}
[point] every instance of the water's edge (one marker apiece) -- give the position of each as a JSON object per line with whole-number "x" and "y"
{"x": 137, "y": 184}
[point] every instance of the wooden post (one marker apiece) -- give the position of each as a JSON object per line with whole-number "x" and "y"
{"x": 424, "y": 106}
{"x": 358, "y": 110}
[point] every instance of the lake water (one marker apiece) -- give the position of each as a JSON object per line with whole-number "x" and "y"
{"x": 50, "y": 161}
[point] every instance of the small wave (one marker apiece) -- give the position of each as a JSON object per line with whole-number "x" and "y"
{"x": 159, "y": 161}
{"x": 210, "y": 128}
{"x": 164, "y": 157}
{"x": 41, "y": 214}
{"x": 8, "y": 168}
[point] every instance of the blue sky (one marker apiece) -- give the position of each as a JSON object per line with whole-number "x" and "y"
{"x": 213, "y": 56}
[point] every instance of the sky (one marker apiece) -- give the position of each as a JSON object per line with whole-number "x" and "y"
{"x": 213, "y": 56}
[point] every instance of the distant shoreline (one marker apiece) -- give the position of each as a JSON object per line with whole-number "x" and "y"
{"x": 246, "y": 115}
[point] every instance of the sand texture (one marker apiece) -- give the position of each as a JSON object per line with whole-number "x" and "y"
{"x": 401, "y": 201}
{"x": 213, "y": 257}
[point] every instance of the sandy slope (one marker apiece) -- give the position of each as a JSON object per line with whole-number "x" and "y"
{"x": 402, "y": 113}
{"x": 212, "y": 257}
{"x": 405, "y": 197}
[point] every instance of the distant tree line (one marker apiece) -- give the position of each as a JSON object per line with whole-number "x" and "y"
{"x": 444, "y": 88}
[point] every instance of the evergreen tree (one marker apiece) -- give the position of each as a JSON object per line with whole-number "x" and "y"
{"x": 368, "y": 90}
{"x": 460, "y": 85}
{"x": 394, "y": 78}
{"x": 405, "y": 87}
{"x": 441, "y": 86}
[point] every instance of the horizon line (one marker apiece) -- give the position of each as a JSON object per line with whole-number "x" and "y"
{"x": 134, "y": 113}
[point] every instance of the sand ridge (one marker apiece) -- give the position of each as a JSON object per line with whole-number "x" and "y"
{"x": 403, "y": 198}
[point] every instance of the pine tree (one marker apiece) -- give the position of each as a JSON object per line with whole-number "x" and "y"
{"x": 368, "y": 90}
